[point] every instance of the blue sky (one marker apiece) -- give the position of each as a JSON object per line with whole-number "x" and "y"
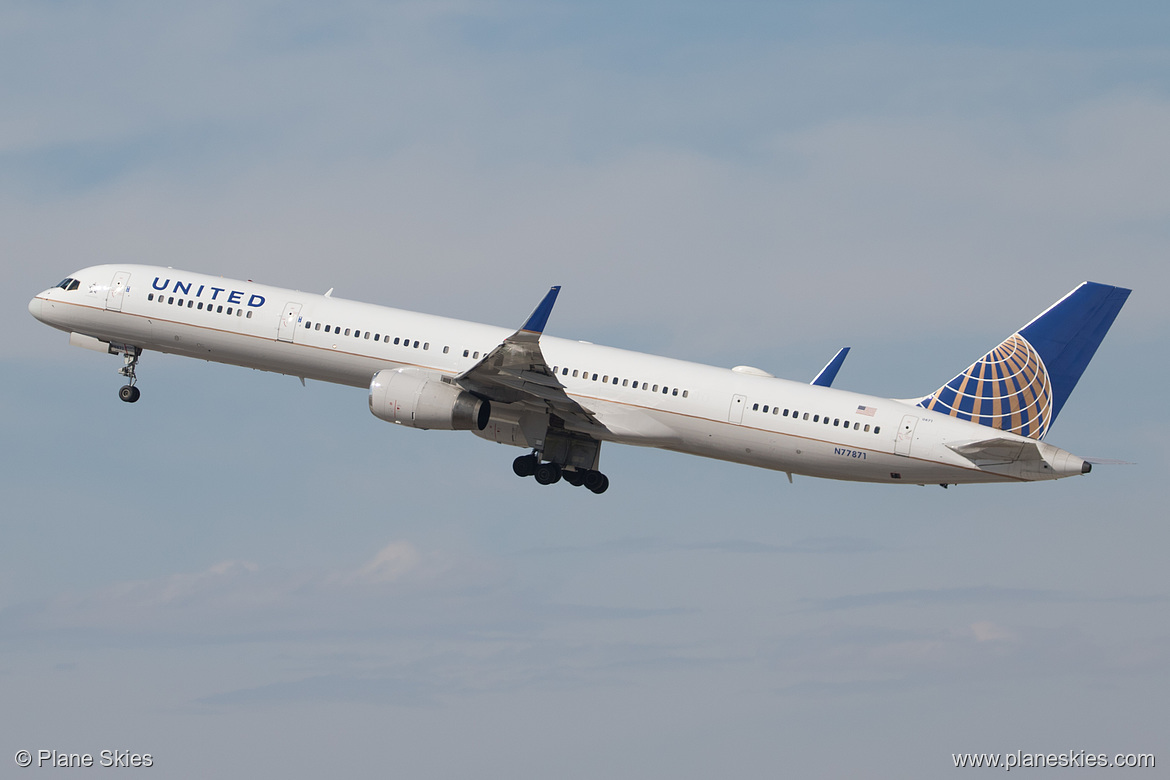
{"x": 242, "y": 576}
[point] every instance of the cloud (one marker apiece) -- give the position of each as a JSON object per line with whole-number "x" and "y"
{"x": 393, "y": 562}
{"x": 271, "y": 159}
{"x": 986, "y": 631}
{"x": 985, "y": 594}
{"x": 240, "y": 598}
{"x": 651, "y": 545}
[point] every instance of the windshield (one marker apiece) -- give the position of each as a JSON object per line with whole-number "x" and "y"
{"x": 69, "y": 284}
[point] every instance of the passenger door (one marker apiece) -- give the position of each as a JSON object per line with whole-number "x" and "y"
{"x": 905, "y": 435}
{"x": 735, "y": 413}
{"x": 117, "y": 291}
{"x": 288, "y": 321}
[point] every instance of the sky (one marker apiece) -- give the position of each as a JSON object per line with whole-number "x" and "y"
{"x": 245, "y": 577}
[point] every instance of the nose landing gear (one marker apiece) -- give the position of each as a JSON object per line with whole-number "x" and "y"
{"x": 128, "y": 392}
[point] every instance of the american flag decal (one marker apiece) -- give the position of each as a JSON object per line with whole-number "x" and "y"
{"x": 868, "y": 411}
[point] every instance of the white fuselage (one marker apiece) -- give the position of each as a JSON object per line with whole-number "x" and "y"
{"x": 639, "y": 399}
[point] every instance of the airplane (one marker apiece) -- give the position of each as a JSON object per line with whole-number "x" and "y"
{"x": 561, "y": 399}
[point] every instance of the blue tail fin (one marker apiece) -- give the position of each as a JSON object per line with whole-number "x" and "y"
{"x": 1021, "y": 385}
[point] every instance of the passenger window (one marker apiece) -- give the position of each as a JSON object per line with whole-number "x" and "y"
{"x": 574, "y": 373}
{"x": 805, "y": 415}
{"x": 239, "y": 312}
{"x": 427, "y": 345}
{"x": 326, "y": 328}
{"x": 867, "y": 428}
{"x": 170, "y": 301}
{"x": 755, "y": 407}
{"x": 150, "y": 296}
{"x": 367, "y": 335}
{"x": 826, "y": 421}
{"x": 877, "y": 429}
{"x": 615, "y": 380}
{"x": 565, "y": 372}
{"x": 446, "y": 350}
{"x": 249, "y": 314}
{"x": 219, "y": 310}
{"x": 816, "y": 418}
{"x": 605, "y": 379}
{"x": 656, "y": 388}
{"x": 395, "y": 339}
{"x": 635, "y": 384}
{"x": 684, "y": 393}
{"x": 765, "y": 409}
{"x": 466, "y": 352}
{"x": 776, "y": 410}
{"x": 675, "y": 392}
{"x": 475, "y": 355}
{"x": 625, "y": 383}
{"x": 229, "y": 311}
{"x": 595, "y": 377}
{"x": 836, "y": 422}
{"x": 856, "y": 426}
{"x": 416, "y": 345}
{"x": 200, "y": 306}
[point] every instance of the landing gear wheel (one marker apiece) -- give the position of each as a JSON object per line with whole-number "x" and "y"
{"x": 525, "y": 465}
{"x": 597, "y": 486}
{"x": 548, "y": 473}
{"x": 574, "y": 477}
{"x": 128, "y": 392}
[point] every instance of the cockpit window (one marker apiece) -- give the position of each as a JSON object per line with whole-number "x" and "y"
{"x": 74, "y": 285}
{"x": 69, "y": 284}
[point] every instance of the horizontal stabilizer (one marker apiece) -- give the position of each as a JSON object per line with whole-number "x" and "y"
{"x": 999, "y": 450}
{"x": 1034, "y": 459}
{"x": 829, "y": 372}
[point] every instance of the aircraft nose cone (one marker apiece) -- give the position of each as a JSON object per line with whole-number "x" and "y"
{"x": 34, "y": 307}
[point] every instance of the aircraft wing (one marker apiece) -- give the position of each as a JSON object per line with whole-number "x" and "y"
{"x": 516, "y": 372}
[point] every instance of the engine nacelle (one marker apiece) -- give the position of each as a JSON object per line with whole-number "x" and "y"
{"x": 423, "y": 399}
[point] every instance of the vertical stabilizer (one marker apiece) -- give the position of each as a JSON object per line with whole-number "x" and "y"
{"x": 1022, "y": 384}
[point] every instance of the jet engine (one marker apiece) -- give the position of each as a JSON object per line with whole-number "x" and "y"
{"x": 424, "y": 399}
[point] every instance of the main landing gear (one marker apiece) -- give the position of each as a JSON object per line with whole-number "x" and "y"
{"x": 128, "y": 392}
{"x": 547, "y": 473}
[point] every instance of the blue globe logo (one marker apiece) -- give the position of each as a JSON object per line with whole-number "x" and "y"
{"x": 1008, "y": 389}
